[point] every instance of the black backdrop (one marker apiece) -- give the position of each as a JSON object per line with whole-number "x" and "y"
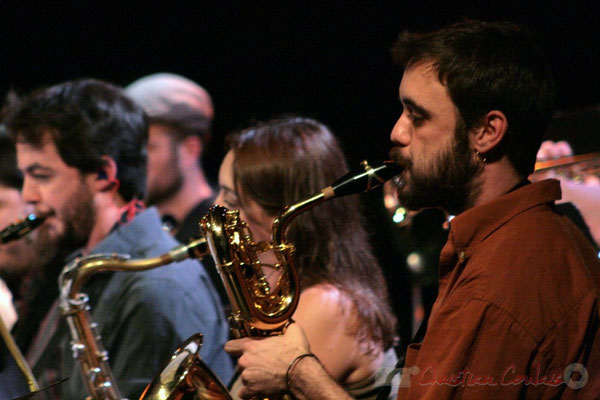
{"x": 327, "y": 60}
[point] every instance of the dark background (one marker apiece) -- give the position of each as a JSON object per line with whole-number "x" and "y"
{"x": 327, "y": 60}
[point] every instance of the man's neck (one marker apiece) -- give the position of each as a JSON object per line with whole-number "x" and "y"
{"x": 497, "y": 179}
{"x": 194, "y": 190}
{"x": 108, "y": 213}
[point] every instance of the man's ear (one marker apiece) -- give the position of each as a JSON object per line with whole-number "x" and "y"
{"x": 489, "y": 132}
{"x": 106, "y": 179}
{"x": 190, "y": 150}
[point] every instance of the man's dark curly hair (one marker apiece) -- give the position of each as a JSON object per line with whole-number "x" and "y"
{"x": 490, "y": 66}
{"x": 87, "y": 119}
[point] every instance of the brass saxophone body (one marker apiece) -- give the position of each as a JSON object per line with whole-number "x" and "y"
{"x": 258, "y": 308}
{"x": 86, "y": 342}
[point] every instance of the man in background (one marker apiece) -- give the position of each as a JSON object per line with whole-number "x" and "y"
{"x": 81, "y": 147}
{"x": 12, "y": 208}
{"x": 180, "y": 114}
{"x": 19, "y": 263}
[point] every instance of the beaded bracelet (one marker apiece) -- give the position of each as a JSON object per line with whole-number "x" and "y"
{"x": 293, "y": 364}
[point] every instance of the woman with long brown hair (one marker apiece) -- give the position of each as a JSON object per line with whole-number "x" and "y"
{"x": 343, "y": 306}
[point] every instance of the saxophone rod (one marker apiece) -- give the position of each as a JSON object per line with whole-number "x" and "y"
{"x": 12, "y": 232}
{"x": 18, "y": 357}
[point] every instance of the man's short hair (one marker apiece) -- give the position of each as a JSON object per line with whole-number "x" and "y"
{"x": 10, "y": 176}
{"x": 490, "y": 66}
{"x": 175, "y": 101}
{"x": 87, "y": 119}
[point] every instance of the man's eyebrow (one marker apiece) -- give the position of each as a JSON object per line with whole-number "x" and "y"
{"x": 411, "y": 104}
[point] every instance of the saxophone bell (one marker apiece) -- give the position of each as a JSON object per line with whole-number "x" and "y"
{"x": 186, "y": 376}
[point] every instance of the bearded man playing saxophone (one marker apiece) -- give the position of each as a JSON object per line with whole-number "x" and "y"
{"x": 517, "y": 314}
{"x": 81, "y": 148}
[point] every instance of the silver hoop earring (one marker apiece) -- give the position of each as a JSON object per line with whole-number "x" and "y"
{"x": 480, "y": 156}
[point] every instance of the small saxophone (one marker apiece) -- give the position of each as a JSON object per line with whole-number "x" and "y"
{"x": 12, "y": 232}
{"x": 86, "y": 342}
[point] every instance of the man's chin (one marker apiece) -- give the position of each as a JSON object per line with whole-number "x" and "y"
{"x": 49, "y": 234}
{"x": 415, "y": 201}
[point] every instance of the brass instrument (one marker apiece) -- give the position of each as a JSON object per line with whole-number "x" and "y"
{"x": 257, "y": 308}
{"x": 86, "y": 342}
{"x": 22, "y": 227}
{"x": 12, "y": 232}
{"x": 186, "y": 377}
{"x": 18, "y": 357}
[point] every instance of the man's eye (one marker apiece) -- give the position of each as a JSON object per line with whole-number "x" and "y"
{"x": 416, "y": 119}
{"x": 40, "y": 177}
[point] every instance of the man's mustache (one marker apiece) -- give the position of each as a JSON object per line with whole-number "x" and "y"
{"x": 397, "y": 156}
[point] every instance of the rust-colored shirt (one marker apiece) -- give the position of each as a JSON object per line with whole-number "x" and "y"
{"x": 517, "y": 314}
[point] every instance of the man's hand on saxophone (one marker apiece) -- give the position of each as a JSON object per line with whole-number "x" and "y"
{"x": 279, "y": 364}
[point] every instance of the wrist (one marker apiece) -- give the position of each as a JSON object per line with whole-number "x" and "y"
{"x": 292, "y": 366}
{"x": 299, "y": 372}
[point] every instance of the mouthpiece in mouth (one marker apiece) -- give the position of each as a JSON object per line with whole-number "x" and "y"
{"x": 363, "y": 181}
{"x": 21, "y": 228}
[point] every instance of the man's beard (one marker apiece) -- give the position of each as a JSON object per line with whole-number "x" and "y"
{"x": 172, "y": 181}
{"x": 80, "y": 219}
{"x": 78, "y": 216}
{"x": 451, "y": 183}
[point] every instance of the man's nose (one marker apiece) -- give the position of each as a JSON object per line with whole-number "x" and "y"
{"x": 30, "y": 192}
{"x": 401, "y": 132}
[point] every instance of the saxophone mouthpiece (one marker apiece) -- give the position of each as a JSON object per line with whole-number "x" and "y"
{"x": 368, "y": 178}
{"x": 22, "y": 227}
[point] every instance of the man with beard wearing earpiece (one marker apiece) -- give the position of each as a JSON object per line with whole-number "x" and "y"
{"x": 81, "y": 148}
{"x": 517, "y": 312}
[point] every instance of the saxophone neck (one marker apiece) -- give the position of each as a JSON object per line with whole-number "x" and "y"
{"x": 76, "y": 273}
{"x": 290, "y": 212}
{"x": 365, "y": 179}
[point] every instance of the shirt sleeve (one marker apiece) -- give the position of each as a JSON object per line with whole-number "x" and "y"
{"x": 472, "y": 350}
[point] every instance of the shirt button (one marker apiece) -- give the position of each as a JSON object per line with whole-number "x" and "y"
{"x": 462, "y": 256}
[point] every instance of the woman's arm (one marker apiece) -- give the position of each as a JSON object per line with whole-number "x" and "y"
{"x": 327, "y": 317}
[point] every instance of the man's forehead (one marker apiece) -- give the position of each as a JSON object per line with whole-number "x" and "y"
{"x": 424, "y": 71}
{"x": 42, "y": 153}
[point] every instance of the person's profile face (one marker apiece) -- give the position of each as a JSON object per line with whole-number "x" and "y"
{"x": 430, "y": 143}
{"x": 164, "y": 177}
{"x": 53, "y": 187}
{"x": 12, "y": 209}
{"x": 258, "y": 220}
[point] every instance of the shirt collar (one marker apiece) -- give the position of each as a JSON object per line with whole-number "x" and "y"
{"x": 474, "y": 225}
